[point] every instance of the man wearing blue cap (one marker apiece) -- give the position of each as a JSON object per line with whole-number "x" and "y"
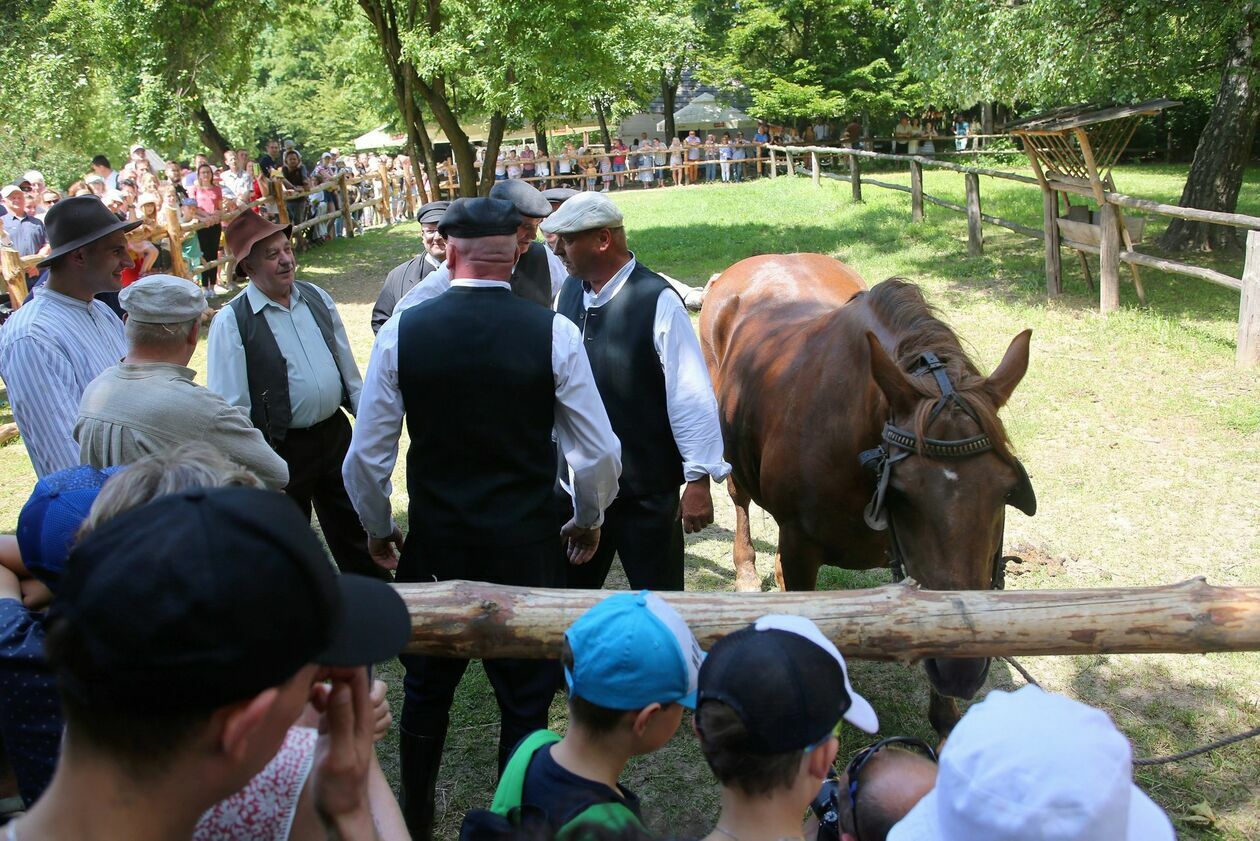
{"x": 632, "y": 666}
{"x": 481, "y": 378}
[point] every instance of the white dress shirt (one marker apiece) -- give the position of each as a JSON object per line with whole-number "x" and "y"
{"x": 315, "y": 376}
{"x": 582, "y": 428}
{"x": 439, "y": 281}
{"x": 50, "y": 349}
{"x": 689, "y": 397}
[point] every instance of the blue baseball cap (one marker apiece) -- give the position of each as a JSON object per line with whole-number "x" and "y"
{"x": 632, "y": 650}
{"x": 51, "y": 518}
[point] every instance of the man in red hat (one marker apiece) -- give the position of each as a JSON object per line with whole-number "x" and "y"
{"x": 280, "y": 352}
{"x": 58, "y": 342}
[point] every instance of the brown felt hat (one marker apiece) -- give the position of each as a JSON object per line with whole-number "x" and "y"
{"x": 79, "y": 221}
{"x": 246, "y": 230}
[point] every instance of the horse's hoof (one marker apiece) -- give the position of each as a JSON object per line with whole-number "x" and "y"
{"x": 747, "y": 584}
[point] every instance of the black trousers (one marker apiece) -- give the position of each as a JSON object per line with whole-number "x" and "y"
{"x": 314, "y": 456}
{"x": 646, "y": 533}
{"x": 523, "y": 688}
{"x": 208, "y": 239}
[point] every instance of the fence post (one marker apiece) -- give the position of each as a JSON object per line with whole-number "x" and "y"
{"x": 282, "y": 209}
{"x": 1109, "y": 261}
{"x": 855, "y": 177}
{"x": 916, "y": 191}
{"x": 175, "y": 235}
{"x": 1249, "y": 306}
{"x": 14, "y": 276}
{"x": 975, "y": 236}
{"x": 791, "y": 170}
{"x": 387, "y": 207}
{"x": 813, "y": 163}
{"x": 774, "y": 165}
{"x": 343, "y": 196}
{"x": 1050, "y": 224}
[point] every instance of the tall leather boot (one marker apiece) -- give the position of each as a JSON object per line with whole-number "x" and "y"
{"x": 419, "y": 758}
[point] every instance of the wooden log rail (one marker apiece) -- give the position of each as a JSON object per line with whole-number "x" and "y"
{"x": 894, "y": 622}
{"x": 1112, "y": 250}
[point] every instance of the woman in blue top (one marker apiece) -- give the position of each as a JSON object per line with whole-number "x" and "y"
{"x": 724, "y": 156}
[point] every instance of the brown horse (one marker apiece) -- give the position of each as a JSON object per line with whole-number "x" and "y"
{"x": 832, "y": 396}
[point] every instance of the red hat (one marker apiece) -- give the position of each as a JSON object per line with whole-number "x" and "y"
{"x": 246, "y": 230}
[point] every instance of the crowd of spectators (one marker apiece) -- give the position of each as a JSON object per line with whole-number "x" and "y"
{"x": 147, "y": 187}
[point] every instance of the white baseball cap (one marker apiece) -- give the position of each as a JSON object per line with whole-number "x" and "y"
{"x": 34, "y": 175}
{"x": 1033, "y": 766}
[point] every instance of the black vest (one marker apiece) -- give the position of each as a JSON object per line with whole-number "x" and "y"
{"x": 474, "y": 369}
{"x": 531, "y": 279}
{"x": 618, "y": 341}
{"x": 267, "y": 369}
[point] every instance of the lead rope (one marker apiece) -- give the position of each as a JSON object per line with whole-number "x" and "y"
{"x": 1157, "y": 760}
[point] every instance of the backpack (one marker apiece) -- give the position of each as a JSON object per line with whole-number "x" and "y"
{"x": 507, "y": 818}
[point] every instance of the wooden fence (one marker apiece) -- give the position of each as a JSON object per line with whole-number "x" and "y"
{"x": 171, "y": 229}
{"x": 1057, "y": 230}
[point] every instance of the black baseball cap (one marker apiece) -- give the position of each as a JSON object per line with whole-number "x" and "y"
{"x": 787, "y": 683}
{"x": 479, "y": 217}
{"x": 209, "y": 596}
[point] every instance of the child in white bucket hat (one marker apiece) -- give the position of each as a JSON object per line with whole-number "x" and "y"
{"x": 1033, "y": 766}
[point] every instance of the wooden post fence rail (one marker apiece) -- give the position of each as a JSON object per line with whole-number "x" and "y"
{"x": 894, "y": 622}
{"x": 1112, "y": 246}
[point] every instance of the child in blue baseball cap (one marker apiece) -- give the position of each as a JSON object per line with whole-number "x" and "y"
{"x": 631, "y": 665}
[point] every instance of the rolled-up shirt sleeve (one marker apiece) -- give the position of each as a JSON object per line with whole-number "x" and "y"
{"x": 585, "y": 435}
{"x": 369, "y": 463}
{"x": 689, "y": 397}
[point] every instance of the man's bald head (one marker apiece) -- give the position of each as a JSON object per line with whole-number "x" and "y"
{"x": 891, "y": 783}
{"x": 485, "y": 258}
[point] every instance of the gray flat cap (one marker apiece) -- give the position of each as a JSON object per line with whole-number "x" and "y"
{"x": 528, "y": 201}
{"x": 432, "y": 212}
{"x": 163, "y": 299}
{"x": 584, "y": 212}
{"x": 559, "y": 194}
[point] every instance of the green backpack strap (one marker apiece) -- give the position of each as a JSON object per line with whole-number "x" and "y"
{"x": 512, "y": 782}
{"x": 612, "y": 816}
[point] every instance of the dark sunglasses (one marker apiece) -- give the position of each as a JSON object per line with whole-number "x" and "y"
{"x": 854, "y": 769}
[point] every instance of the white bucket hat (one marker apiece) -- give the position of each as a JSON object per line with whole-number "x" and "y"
{"x": 1033, "y": 766}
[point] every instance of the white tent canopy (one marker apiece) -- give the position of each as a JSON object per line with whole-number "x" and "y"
{"x": 705, "y": 113}
{"x": 379, "y": 138}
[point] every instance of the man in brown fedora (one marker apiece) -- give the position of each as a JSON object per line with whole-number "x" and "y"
{"x": 280, "y": 352}
{"x": 58, "y": 342}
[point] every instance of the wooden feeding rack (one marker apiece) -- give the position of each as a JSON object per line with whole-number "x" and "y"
{"x": 1073, "y": 150}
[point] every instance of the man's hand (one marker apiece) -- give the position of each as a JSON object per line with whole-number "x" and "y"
{"x": 384, "y": 550}
{"x": 383, "y": 718}
{"x": 343, "y": 754}
{"x": 579, "y": 543}
{"x": 697, "y": 505}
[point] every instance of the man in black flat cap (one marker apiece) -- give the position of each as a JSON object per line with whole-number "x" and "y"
{"x": 402, "y": 278}
{"x": 537, "y": 275}
{"x": 187, "y": 636}
{"x": 57, "y": 343}
{"x": 481, "y": 377}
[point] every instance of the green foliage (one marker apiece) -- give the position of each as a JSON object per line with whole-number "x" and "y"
{"x": 1050, "y": 52}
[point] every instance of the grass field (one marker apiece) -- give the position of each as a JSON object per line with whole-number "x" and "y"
{"x": 1142, "y": 440}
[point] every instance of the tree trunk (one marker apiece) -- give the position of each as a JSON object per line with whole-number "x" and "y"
{"x": 893, "y": 622}
{"x": 1224, "y": 147}
{"x": 211, "y": 137}
{"x": 669, "y": 95}
{"x": 498, "y": 122}
{"x": 986, "y": 121}
{"x": 540, "y": 137}
{"x": 603, "y": 123}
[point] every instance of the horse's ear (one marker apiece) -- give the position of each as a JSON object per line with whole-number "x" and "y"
{"x": 1001, "y": 383}
{"x": 890, "y": 379}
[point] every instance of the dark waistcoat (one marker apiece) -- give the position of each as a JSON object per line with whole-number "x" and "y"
{"x": 474, "y": 369}
{"x": 268, "y": 372}
{"x": 618, "y": 340}
{"x": 531, "y": 279}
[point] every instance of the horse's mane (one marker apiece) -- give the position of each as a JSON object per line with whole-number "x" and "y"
{"x": 900, "y": 307}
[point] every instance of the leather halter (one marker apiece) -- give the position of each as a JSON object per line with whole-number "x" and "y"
{"x": 899, "y": 444}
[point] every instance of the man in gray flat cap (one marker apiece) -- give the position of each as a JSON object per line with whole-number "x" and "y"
{"x": 149, "y": 401}
{"x": 537, "y": 275}
{"x": 402, "y": 278}
{"x": 652, "y": 378}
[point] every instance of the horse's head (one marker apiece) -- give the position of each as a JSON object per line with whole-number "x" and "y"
{"x": 945, "y": 474}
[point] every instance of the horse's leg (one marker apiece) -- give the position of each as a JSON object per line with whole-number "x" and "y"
{"x": 796, "y": 565}
{"x": 943, "y": 713}
{"x": 746, "y": 579}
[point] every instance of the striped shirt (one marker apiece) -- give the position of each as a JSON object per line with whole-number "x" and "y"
{"x": 50, "y": 349}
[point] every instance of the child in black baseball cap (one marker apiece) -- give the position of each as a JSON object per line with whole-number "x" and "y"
{"x": 770, "y": 701}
